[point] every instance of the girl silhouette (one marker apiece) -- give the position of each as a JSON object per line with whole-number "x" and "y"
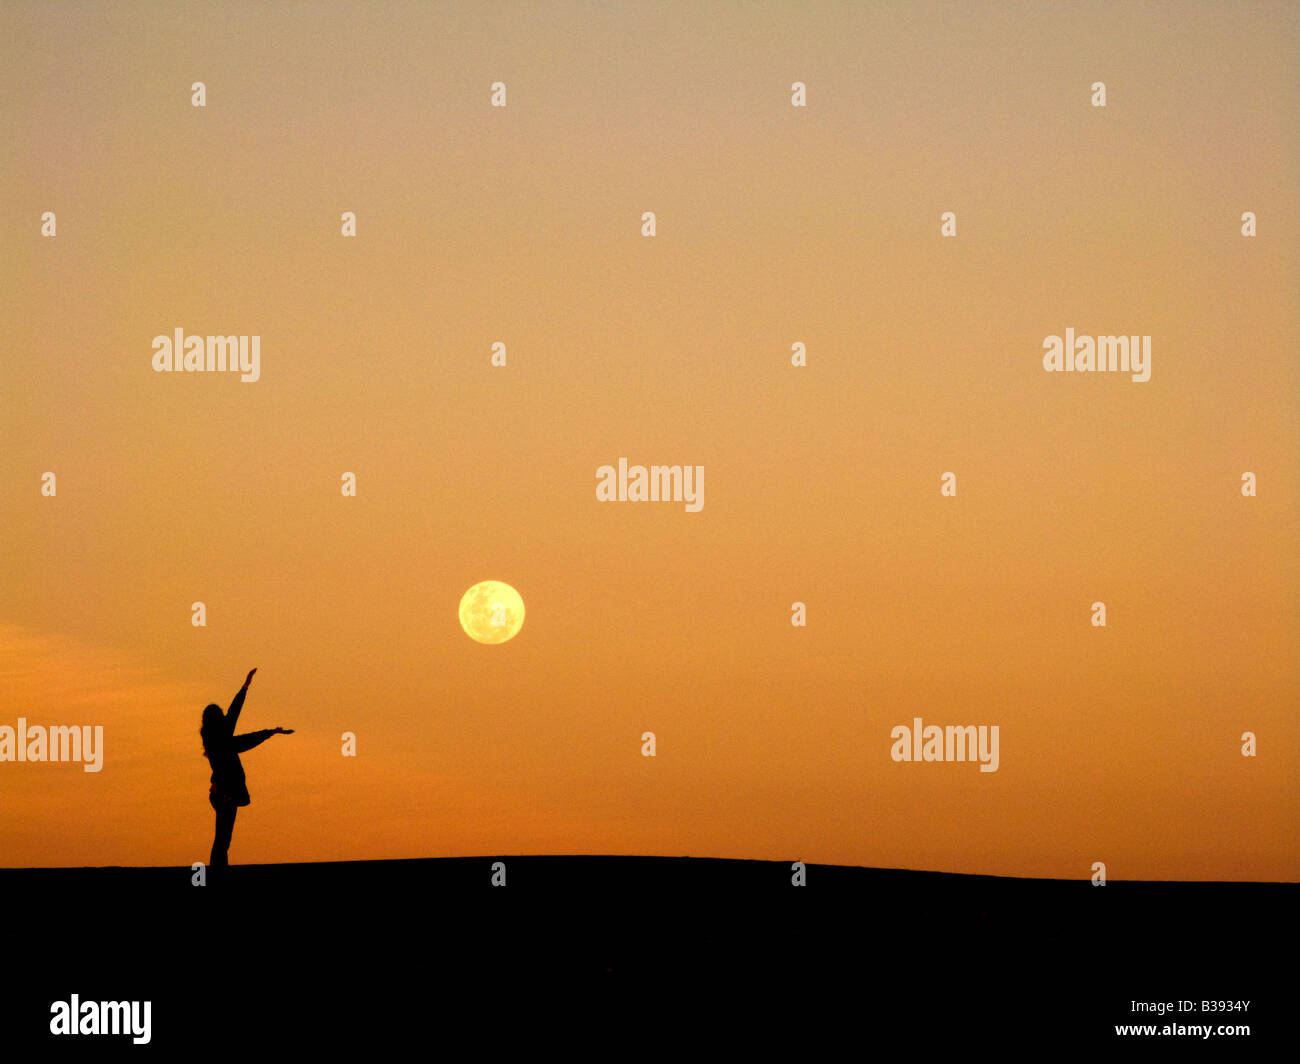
{"x": 222, "y": 747}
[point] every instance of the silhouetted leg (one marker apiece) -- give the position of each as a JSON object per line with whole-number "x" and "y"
{"x": 225, "y": 829}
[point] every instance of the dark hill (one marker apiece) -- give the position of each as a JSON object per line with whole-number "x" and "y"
{"x": 304, "y": 947}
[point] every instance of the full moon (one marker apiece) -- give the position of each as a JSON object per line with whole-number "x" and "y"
{"x": 491, "y": 612}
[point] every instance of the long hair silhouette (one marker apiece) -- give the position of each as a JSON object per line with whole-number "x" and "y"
{"x": 222, "y": 747}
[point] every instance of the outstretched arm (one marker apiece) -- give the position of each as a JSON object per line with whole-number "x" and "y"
{"x": 232, "y": 714}
{"x": 257, "y": 738}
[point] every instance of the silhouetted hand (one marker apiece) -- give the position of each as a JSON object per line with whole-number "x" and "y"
{"x": 283, "y": 731}
{"x": 249, "y": 678}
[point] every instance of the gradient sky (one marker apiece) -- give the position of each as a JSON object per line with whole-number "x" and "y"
{"x": 775, "y": 224}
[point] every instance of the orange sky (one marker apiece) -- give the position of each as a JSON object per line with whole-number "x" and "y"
{"x": 775, "y": 224}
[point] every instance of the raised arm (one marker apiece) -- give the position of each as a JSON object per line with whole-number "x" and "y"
{"x": 232, "y": 714}
{"x": 252, "y": 739}
{"x": 257, "y": 738}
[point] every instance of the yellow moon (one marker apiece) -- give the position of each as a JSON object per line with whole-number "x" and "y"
{"x": 491, "y": 612}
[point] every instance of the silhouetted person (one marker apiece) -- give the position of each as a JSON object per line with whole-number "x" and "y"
{"x": 222, "y": 747}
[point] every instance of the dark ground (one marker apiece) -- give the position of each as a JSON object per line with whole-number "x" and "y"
{"x": 623, "y": 956}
